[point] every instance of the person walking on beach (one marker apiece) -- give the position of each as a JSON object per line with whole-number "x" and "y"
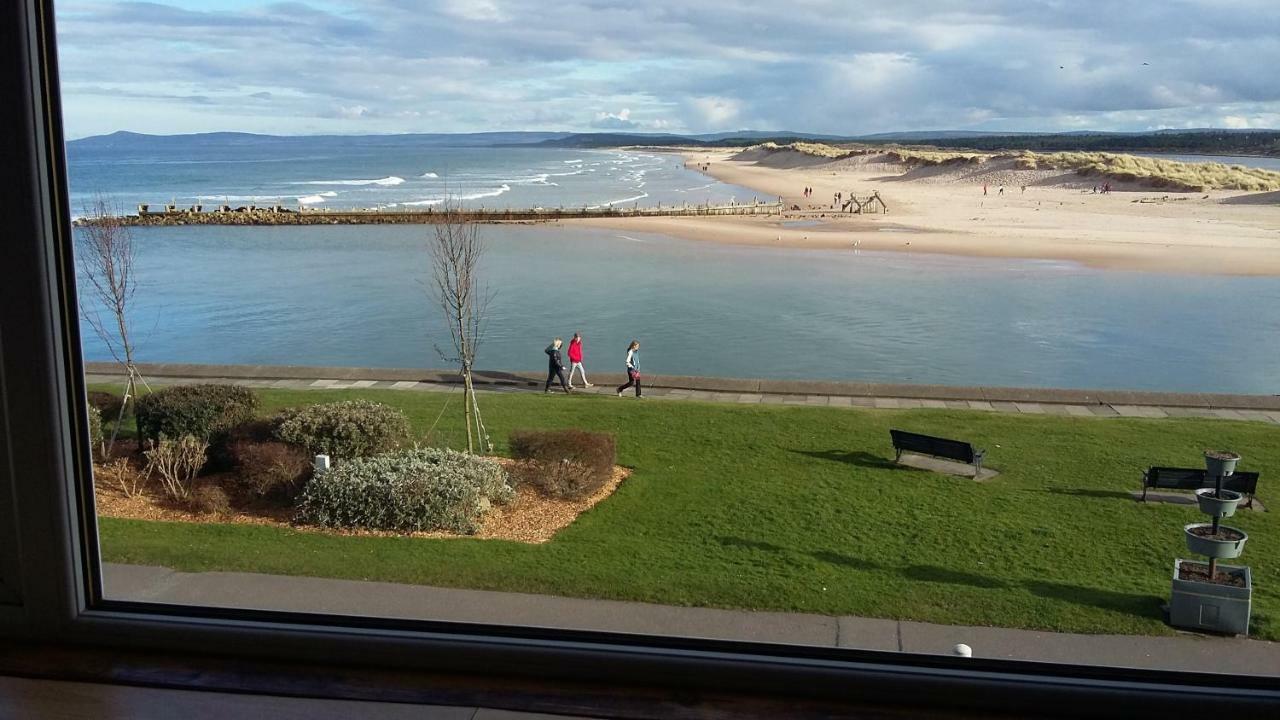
{"x": 633, "y": 368}
{"x": 575, "y": 360}
{"x": 1001, "y": 190}
{"x": 555, "y": 366}
{"x": 984, "y": 188}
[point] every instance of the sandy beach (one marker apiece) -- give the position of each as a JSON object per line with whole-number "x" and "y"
{"x": 942, "y": 209}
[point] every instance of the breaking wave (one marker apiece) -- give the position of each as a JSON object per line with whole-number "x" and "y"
{"x": 386, "y": 181}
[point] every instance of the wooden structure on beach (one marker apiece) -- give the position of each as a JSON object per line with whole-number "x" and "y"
{"x": 864, "y": 205}
{"x": 280, "y": 215}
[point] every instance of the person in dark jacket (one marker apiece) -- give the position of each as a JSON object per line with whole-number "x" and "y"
{"x": 555, "y": 366}
{"x": 633, "y": 368}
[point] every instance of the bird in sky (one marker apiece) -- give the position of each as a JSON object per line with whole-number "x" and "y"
{"x": 1146, "y": 63}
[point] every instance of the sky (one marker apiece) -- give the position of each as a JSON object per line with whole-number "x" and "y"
{"x": 839, "y": 67}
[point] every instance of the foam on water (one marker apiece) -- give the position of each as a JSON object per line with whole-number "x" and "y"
{"x": 386, "y": 181}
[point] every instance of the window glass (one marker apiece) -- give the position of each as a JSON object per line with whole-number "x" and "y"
{"x": 916, "y": 328}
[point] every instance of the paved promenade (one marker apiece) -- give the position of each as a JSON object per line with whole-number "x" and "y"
{"x": 1029, "y": 401}
{"x": 1183, "y": 651}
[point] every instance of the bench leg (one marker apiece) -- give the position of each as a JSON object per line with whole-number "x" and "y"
{"x": 898, "y": 456}
{"x": 1144, "y": 493}
{"x": 977, "y": 468}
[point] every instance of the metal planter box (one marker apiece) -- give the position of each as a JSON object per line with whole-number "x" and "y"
{"x": 1209, "y": 606}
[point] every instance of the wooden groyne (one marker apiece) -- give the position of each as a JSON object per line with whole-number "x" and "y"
{"x": 280, "y": 215}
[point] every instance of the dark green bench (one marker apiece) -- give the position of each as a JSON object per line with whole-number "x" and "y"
{"x": 964, "y": 452}
{"x": 1172, "y": 478}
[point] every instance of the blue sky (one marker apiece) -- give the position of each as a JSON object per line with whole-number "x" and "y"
{"x": 382, "y": 66}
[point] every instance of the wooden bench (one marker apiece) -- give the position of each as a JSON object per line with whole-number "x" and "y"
{"x": 937, "y": 447}
{"x": 1171, "y": 478}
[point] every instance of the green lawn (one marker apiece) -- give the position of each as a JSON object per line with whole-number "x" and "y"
{"x": 799, "y": 509}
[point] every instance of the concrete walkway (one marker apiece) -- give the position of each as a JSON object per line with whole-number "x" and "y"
{"x": 1184, "y": 651}
{"x": 1027, "y": 401}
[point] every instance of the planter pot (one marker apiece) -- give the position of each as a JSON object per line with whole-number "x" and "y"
{"x": 1209, "y": 606}
{"x": 1212, "y": 506}
{"x": 1224, "y": 464}
{"x": 1214, "y": 548}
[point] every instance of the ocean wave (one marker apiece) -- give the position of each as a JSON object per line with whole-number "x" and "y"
{"x": 493, "y": 193}
{"x": 311, "y": 199}
{"x": 572, "y": 162}
{"x": 611, "y": 203}
{"x": 700, "y": 187}
{"x": 238, "y": 198}
{"x": 428, "y": 175}
{"x": 437, "y": 199}
{"x": 389, "y": 180}
{"x": 566, "y": 174}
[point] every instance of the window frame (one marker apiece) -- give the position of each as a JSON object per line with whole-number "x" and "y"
{"x": 50, "y": 584}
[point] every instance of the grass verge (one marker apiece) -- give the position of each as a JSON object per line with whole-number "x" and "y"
{"x": 801, "y": 509}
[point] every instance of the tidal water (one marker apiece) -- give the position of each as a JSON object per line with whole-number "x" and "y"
{"x": 355, "y": 295}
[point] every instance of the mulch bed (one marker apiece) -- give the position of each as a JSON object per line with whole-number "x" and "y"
{"x": 1198, "y": 572}
{"x": 530, "y": 518}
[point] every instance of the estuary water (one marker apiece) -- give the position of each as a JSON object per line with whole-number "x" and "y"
{"x": 355, "y": 295}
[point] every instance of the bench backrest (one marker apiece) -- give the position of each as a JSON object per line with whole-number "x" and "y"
{"x": 1195, "y": 478}
{"x": 930, "y": 445}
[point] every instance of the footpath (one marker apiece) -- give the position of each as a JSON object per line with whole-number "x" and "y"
{"x": 1183, "y": 651}
{"x": 1028, "y": 401}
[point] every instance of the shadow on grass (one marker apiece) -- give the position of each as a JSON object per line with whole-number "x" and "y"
{"x": 1100, "y": 494}
{"x": 859, "y": 458}
{"x": 1129, "y": 603}
{"x": 738, "y": 542}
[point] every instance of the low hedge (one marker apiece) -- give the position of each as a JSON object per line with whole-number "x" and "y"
{"x": 344, "y": 430}
{"x": 269, "y": 470}
{"x": 207, "y": 412}
{"x": 407, "y": 491}
{"x": 95, "y": 431}
{"x": 564, "y": 463}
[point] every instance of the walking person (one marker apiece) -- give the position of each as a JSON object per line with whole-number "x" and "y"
{"x": 633, "y": 368}
{"x": 555, "y": 366}
{"x": 575, "y": 360}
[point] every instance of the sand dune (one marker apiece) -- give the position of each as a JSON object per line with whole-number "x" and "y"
{"x": 942, "y": 209}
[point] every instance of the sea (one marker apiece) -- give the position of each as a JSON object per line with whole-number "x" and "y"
{"x": 358, "y": 296}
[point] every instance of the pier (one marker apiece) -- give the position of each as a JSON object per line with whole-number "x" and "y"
{"x": 281, "y": 215}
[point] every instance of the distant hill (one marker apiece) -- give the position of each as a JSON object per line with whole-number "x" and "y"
{"x": 1204, "y": 142}
{"x": 125, "y": 140}
{"x": 1207, "y": 141}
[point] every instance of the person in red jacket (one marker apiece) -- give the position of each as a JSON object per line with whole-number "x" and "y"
{"x": 575, "y": 360}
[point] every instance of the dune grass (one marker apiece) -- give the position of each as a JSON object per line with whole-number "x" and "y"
{"x": 801, "y": 509}
{"x": 1157, "y": 172}
{"x": 1151, "y": 172}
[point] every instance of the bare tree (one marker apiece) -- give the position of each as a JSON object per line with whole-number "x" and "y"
{"x": 456, "y": 249}
{"x": 106, "y": 261}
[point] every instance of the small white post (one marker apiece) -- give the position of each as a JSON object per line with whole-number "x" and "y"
{"x": 321, "y": 463}
{"x": 962, "y": 650}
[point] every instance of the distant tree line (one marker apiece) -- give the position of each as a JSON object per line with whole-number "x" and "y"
{"x": 1201, "y": 142}
{"x": 1204, "y": 142}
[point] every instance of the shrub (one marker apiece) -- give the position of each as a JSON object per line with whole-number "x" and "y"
{"x": 95, "y": 431}
{"x": 408, "y": 490}
{"x": 177, "y": 462}
{"x": 122, "y": 475}
{"x": 344, "y": 430}
{"x": 207, "y": 412}
{"x": 270, "y": 469}
{"x": 222, "y": 455}
{"x": 107, "y": 403}
{"x": 564, "y": 463}
{"x": 209, "y": 500}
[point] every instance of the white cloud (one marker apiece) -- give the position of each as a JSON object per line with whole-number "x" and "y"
{"x": 716, "y": 112}
{"x": 478, "y": 10}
